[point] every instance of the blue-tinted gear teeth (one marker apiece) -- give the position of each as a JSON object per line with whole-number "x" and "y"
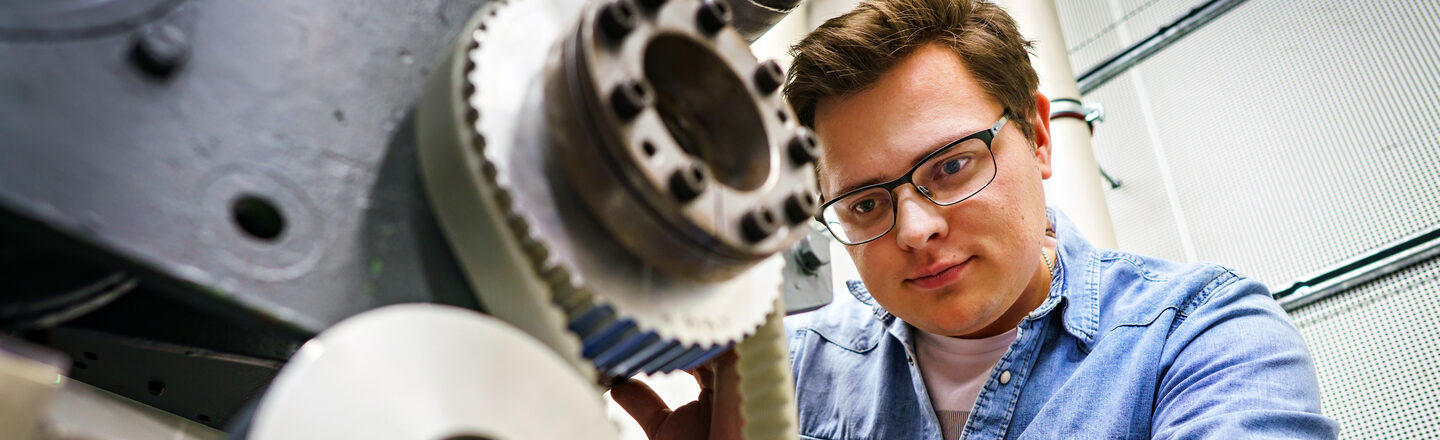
{"x": 631, "y": 343}
{"x": 608, "y": 335}
{"x": 673, "y": 350}
{"x": 634, "y": 363}
{"x": 706, "y": 357}
{"x": 617, "y": 347}
{"x": 691, "y": 355}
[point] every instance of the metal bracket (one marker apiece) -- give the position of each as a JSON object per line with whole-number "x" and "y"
{"x": 1091, "y": 112}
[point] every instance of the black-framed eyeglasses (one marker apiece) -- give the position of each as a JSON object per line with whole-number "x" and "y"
{"x": 947, "y": 176}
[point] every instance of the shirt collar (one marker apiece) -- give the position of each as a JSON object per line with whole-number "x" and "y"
{"x": 1075, "y": 285}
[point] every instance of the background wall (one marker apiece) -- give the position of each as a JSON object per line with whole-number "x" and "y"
{"x": 1281, "y": 139}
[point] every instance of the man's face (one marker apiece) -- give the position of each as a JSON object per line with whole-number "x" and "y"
{"x": 948, "y": 270}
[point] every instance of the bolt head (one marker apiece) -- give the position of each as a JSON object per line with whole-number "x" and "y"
{"x": 803, "y": 147}
{"x": 801, "y": 206}
{"x": 758, "y": 224}
{"x": 687, "y": 183}
{"x": 629, "y": 98}
{"x": 160, "y": 50}
{"x": 713, "y": 16}
{"x": 809, "y": 261}
{"x": 617, "y": 19}
{"x": 768, "y": 77}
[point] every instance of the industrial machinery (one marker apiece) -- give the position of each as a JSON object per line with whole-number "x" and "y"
{"x": 582, "y": 190}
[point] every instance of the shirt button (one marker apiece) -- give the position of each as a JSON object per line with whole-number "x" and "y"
{"x": 1005, "y": 377}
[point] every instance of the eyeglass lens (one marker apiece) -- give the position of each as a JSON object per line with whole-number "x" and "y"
{"x": 945, "y": 178}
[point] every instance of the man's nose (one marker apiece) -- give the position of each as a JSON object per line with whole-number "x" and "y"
{"x": 917, "y": 220}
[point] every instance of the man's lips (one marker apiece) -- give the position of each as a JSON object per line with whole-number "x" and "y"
{"x": 937, "y": 275}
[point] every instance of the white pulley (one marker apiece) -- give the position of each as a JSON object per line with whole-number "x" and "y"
{"x": 428, "y": 372}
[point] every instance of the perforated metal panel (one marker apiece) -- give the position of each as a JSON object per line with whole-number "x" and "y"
{"x": 1377, "y": 352}
{"x": 1088, "y": 27}
{"x": 1281, "y": 139}
{"x": 1097, "y": 29}
{"x": 1293, "y": 138}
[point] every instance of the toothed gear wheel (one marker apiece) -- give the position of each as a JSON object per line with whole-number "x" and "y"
{"x": 535, "y": 240}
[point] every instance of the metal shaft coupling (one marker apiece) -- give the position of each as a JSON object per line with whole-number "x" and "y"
{"x": 617, "y": 178}
{"x": 676, "y": 139}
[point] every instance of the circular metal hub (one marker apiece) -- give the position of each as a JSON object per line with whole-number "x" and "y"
{"x": 674, "y": 135}
{"x": 528, "y": 236}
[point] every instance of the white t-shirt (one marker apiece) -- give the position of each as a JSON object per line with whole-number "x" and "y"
{"x": 955, "y": 370}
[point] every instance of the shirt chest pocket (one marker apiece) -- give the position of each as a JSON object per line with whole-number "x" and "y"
{"x": 849, "y": 387}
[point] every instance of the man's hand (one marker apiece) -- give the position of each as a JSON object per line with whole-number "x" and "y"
{"x": 715, "y": 415}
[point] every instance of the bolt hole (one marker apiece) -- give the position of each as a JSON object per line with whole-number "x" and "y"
{"x": 258, "y": 217}
{"x": 91, "y": 356}
{"x": 203, "y": 417}
{"x": 769, "y": 218}
{"x": 80, "y": 365}
{"x": 783, "y": 117}
{"x": 155, "y": 387}
{"x": 648, "y": 148}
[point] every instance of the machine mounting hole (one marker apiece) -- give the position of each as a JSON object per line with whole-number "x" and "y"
{"x": 258, "y": 217}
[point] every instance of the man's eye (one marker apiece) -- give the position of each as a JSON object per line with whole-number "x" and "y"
{"x": 953, "y": 165}
{"x": 863, "y": 206}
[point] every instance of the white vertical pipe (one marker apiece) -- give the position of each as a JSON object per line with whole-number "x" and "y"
{"x": 1076, "y": 186}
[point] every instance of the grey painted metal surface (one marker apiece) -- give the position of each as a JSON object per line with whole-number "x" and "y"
{"x": 809, "y": 276}
{"x": 296, "y": 107}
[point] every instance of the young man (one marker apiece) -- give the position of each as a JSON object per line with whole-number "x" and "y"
{"x": 980, "y": 313}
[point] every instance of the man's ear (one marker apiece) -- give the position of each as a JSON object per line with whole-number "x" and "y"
{"x": 1041, "y": 123}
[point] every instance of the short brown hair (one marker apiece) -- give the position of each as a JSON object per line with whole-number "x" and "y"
{"x": 849, "y": 53}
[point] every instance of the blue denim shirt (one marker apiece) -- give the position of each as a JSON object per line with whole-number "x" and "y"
{"x": 1125, "y": 347}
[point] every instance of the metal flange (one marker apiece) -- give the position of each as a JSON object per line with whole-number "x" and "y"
{"x": 523, "y": 229}
{"x": 674, "y": 135}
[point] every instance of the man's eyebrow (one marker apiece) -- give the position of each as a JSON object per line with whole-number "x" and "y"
{"x": 846, "y": 189}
